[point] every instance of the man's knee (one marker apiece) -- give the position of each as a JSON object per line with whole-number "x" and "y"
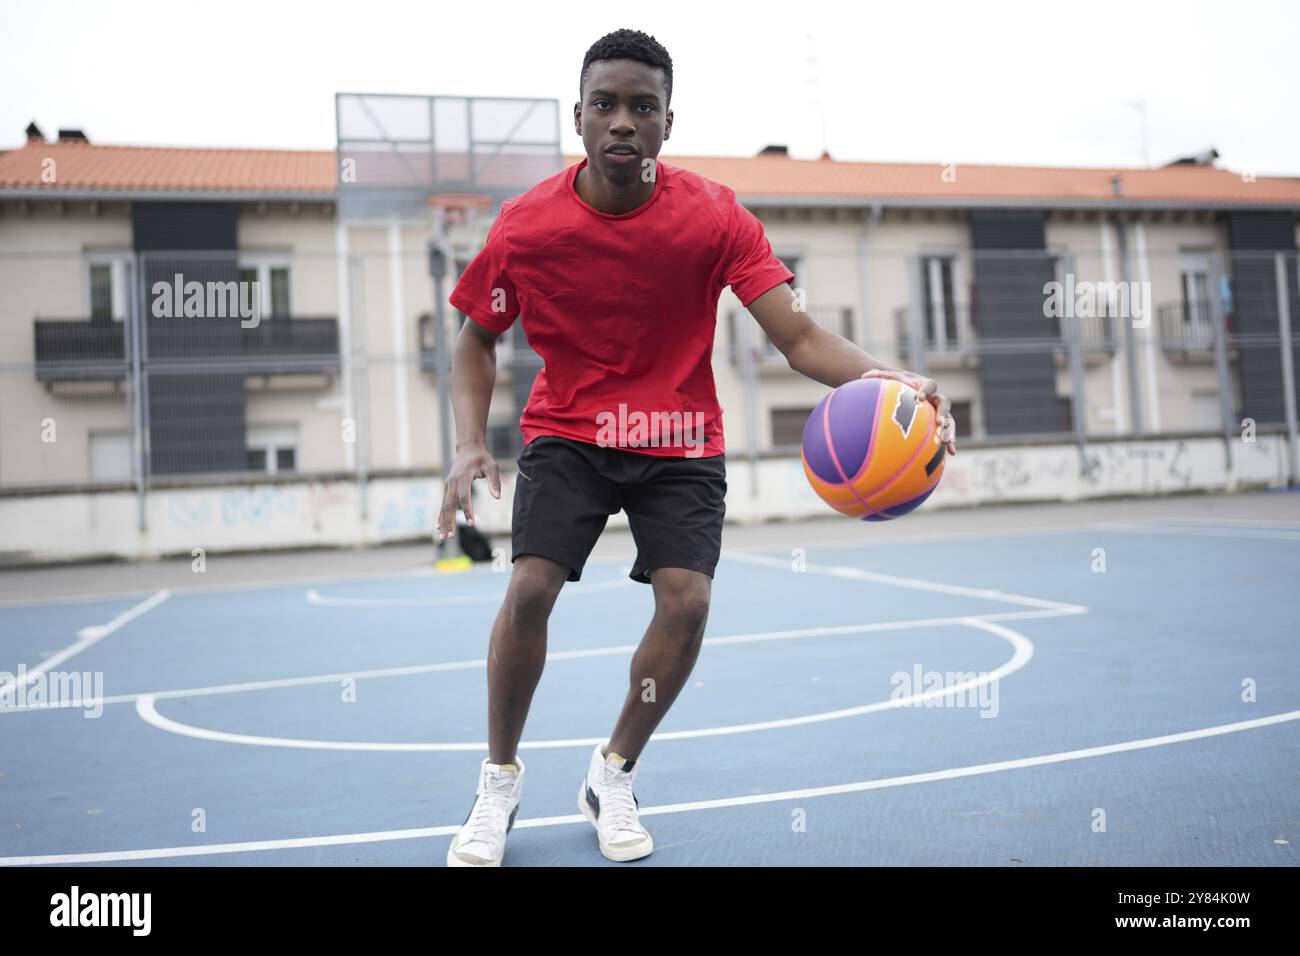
{"x": 535, "y": 583}
{"x": 682, "y": 599}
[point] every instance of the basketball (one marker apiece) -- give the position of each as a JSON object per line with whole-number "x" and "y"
{"x": 873, "y": 449}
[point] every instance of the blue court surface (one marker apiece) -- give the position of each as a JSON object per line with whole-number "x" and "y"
{"x": 956, "y": 689}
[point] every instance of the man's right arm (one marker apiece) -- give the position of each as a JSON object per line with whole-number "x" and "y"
{"x": 473, "y": 375}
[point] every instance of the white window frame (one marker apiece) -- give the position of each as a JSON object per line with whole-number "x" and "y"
{"x": 1196, "y": 262}
{"x": 271, "y": 437}
{"x": 262, "y": 263}
{"x": 928, "y": 260}
{"x": 120, "y": 266}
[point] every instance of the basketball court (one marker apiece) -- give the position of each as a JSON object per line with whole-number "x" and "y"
{"x": 1112, "y": 683}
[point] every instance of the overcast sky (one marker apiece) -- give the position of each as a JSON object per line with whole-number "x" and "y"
{"x": 1024, "y": 83}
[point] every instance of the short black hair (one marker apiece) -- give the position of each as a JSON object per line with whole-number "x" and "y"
{"x": 630, "y": 45}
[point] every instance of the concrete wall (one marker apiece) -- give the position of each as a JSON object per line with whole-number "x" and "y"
{"x": 329, "y": 513}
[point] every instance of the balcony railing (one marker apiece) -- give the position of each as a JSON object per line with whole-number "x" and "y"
{"x": 955, "y": 333}
{"x": 947, "y": 331}
{"x": 837, "y": 318}
{"x": 1186, "y": 328}
{"x": 80, "y": 349}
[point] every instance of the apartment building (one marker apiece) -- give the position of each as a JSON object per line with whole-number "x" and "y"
{"x": 936, "y": 267}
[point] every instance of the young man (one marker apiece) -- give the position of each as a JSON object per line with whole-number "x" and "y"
{"x": 616, "y": 265}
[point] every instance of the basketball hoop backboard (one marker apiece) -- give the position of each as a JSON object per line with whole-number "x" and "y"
{"x": 395, "y": 152}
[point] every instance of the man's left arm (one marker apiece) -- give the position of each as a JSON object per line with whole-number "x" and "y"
{"x": 828, "y": 358}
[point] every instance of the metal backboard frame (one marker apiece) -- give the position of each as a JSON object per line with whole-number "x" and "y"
{"x": 397, "y": 150}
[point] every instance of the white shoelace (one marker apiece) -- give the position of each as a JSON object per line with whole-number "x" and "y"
{"x": 617, "y": 807}
{"x": 487, "y": 822}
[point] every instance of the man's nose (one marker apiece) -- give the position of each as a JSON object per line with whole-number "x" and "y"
{"x": 622, "y": 122}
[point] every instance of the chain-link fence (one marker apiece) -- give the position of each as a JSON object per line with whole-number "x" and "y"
{"x": 131, "y": 371}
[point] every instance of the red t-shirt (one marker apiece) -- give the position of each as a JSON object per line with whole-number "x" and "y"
{"x": 621, "y": 308}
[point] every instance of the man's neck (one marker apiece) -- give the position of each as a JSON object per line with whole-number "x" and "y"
{"x": 609, "y": 197}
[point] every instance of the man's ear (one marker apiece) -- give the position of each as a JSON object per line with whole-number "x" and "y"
{"x": 577, "y": 118}
{"x": 668, "y": 124}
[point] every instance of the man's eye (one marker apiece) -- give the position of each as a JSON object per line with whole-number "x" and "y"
{"x": 648, "y": 107}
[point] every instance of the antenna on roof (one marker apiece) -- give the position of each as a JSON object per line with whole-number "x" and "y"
{"x": 1141, "y": 107}
{"x": 814, "y": 70}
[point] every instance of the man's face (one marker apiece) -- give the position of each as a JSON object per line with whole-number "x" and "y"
{"x": 623, "y": 117}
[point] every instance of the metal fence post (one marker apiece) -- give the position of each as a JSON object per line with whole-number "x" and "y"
{"x": 1221, "y": 360}
{"x": 915, "y": 321}
{"x": 1074, "y": 349}
{"x": 139, "y": 435}
{"x": 1130, "y": 338}
{"x": 1288, "y": 363}
{"x": 359, "y": 380}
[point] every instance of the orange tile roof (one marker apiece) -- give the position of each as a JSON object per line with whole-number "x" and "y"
{"x": 778, "y": 176}
{"x": 79, "y": 166}
{"x": 85, "y": 167}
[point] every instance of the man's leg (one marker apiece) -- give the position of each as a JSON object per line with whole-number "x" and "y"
{"x": 665, "y": 657}
{"x": 517, "y": 650}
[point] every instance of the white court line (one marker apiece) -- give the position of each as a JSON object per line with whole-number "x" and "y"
{"x": 88, "y": 636}
{"x": 830, "y": 631}
{"x": 1022, "y": 653}
{"x": 822, "y": 544}
{"x": 1254, "y": 534}
{"x": 917, "y": 584}
{"x": 808, "y": 793}
{"x": 578, "y": 587}
{"x": 1228, "y": 522}
{"x": 290, "y": 582}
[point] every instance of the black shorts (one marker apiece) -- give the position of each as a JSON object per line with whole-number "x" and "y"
{"x": 566, "y": 490}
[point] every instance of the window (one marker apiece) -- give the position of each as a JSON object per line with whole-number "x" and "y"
{"x": 938, "y": 309}
{"x": 108, "y": 285}
{"x": 271, "y": 273}
{"x": 110, "y": 456}
{"x": 1198, "y": 328}
{"x": 1064, "y": 414}
{"x": 787, "y": 426}
{"x": 272, "y": 449}
{"x": 960, "y": 412}
{"x": 504, "y": 440}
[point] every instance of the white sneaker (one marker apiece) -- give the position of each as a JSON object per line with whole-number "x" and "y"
{"x": 481, "y": 840}
{"x": 607, "y": 801}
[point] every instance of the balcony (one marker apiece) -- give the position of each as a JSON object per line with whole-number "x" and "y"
{"x": 1186, "y": 331}
{"x": 87, "y": 350}
{"x": 80, "y": 350}
{"x": 953, "y": 340}
{"x": 949, "y": 338}
{"x": 837, "y": 318}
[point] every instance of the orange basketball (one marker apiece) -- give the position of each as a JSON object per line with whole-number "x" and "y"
{"x": 873, "y": 449}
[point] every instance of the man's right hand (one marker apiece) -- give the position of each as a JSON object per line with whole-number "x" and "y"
{"x": 471, "y": 462}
